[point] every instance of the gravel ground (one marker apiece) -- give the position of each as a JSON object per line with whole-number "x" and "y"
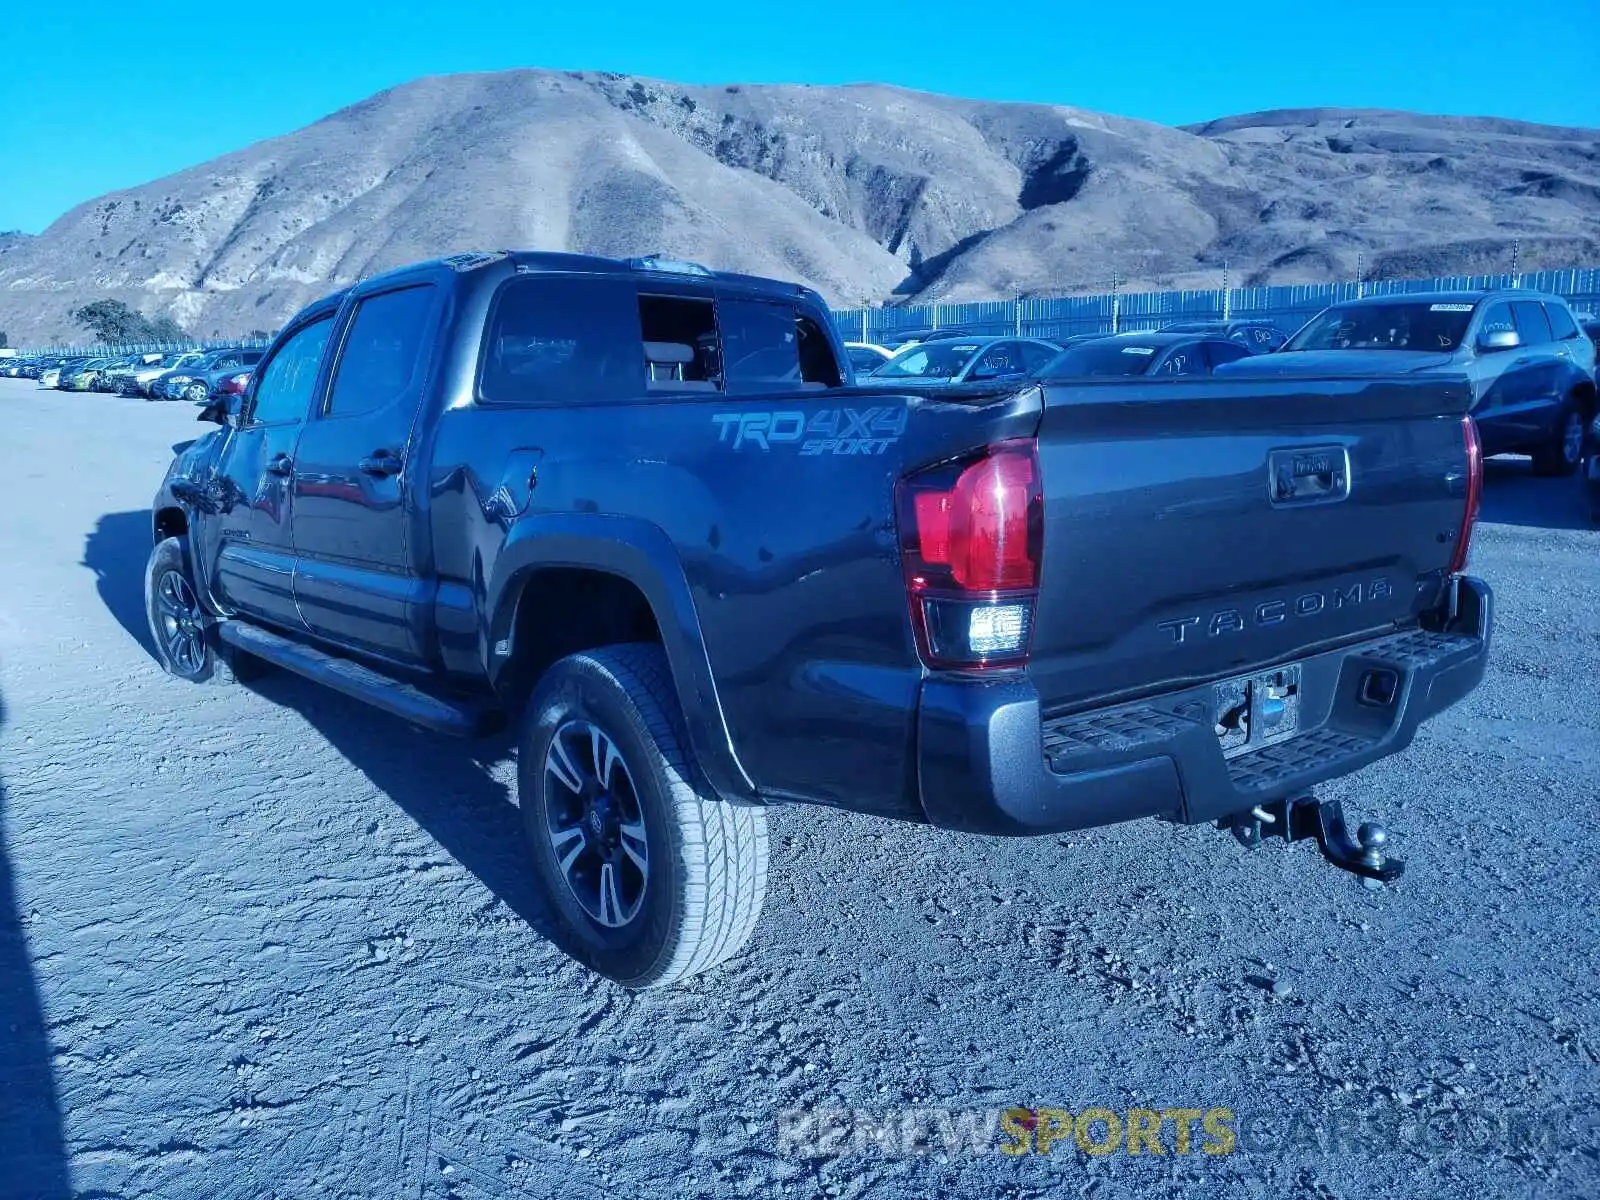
{"x": 266, "y": 942}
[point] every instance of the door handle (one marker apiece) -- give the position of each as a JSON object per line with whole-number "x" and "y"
{"x": 380, "y": 463}
{"x": 281, "y": 464}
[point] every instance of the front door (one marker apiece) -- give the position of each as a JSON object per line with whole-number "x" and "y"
{"x": 247, "y": 543}
{"x": 355, "y": 580}
{"x": 1503, "y": 383}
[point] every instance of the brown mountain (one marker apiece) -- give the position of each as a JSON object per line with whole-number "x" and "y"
{"x": 864, "y": 191}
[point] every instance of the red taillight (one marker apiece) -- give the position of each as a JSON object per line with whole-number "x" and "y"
{"x": 971, "y": 534}
{"x": 1469, "y": 434}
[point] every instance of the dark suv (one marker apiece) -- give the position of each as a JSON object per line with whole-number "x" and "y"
{"x": 1530, "y": 365}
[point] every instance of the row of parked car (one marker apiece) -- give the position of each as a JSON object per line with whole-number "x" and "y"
{"x": 1528, "y": 357}
{"x": 195, "y": 375}
{"x": 955, "y": 356}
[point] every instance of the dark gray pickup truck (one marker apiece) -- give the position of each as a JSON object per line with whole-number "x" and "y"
{"x": 640, "y": 509}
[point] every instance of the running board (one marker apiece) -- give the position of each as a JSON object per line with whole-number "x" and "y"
{"x": 458, "y": 718}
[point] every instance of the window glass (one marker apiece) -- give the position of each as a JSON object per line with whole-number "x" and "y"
{"x": 1531, "y": 324}
{"x": 818, "y": 365}
{"x": 1401, "y": 325}
{"x": 1496, "y": 319}
{"x": 1107, "y": 357}
{"x": 1182, "y": 360}
{"x": 930, "y": 360}
{"x": 864, "y": 360}
{"x": 1218, "y": 353}
{"x": 681, "y": 346}
{"x": 998, "y": 361}
{"x": 284, "y": 392}
{"x": 1035, "y": 355}
{"x": 557, "y": 339}
{"x": 761, "y": 343}
{"x": 1561, "y": 322}
{"x": 382, "y": 353}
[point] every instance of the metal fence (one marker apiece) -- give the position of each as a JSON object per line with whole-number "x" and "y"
{"x": 1113, "y": 312}
{"x": 122, "y": 348}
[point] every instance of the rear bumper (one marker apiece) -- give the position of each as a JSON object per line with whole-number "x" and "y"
{"x": 988, "y": 762}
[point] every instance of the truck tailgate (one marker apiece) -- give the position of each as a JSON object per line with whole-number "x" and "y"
{"x": 1194, "y": 530}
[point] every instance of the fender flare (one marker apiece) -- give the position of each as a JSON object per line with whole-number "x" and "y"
{"x": 641, "y": 553}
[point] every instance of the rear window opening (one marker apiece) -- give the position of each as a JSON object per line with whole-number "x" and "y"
{"x": 681, "y": 351}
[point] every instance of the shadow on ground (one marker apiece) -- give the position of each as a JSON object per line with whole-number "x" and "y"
{"x": 445, "y": 784}
{"x": 1513, "y": 495}
{"x": 33, "y": 1161}
{"x": 116, "y": 550}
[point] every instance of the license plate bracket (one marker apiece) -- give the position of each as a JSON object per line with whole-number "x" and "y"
{"x": 1252, "y": 711}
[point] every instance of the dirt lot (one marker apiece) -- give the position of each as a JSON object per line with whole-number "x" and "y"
{"x": 265, "y": 942}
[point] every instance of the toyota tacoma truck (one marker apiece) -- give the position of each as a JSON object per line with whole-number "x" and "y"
{"x": 638, "y": 511}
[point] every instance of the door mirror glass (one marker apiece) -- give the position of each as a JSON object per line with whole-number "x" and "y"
{"x": 1498, "y": 339}
{"x": 224, "y": 410}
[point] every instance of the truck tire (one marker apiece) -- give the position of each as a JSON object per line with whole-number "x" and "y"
{"x": 1563, "y": 453}
{"x": 650, "y": 876}
{"x": 183, "y": 633}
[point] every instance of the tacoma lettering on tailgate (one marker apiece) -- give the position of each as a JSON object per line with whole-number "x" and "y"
{"x": 1275, "y": 612}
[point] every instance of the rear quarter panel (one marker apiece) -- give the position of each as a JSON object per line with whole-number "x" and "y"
{"x": 780, "y": 511}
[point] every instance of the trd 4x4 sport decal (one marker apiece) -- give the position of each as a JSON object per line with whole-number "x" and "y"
{"x": 826, "y": 431}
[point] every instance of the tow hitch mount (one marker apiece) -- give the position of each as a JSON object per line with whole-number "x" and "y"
{"x": 1303, "y": 817}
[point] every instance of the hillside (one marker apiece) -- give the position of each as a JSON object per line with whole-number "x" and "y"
{"x": 864, "y": 191}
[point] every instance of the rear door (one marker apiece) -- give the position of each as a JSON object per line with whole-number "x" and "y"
{"x": 355, "y": 579}
{"x": 247, "y": 543}
{"x": 1539, "y": 366}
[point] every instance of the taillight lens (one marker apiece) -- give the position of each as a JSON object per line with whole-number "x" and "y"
{"x": 1469, "y": 434}
{"x": 971, "y": 535}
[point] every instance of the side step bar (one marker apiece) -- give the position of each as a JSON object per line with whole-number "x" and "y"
{"x": 454, "y": 717}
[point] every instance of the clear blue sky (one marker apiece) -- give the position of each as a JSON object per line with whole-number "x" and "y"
{"x": 107, "y": 95}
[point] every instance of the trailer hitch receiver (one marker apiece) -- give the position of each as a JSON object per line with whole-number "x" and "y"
{"x": 1305, "y": 818}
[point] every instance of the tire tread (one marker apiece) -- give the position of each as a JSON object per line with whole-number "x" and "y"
{"x": 724, "y": 845}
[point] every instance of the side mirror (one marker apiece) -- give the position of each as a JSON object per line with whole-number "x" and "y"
{"x": 1499, "y": 339}
{"x": 224, "y": 410}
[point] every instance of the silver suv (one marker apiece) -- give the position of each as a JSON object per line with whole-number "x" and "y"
{"x": 1531, "y": 367}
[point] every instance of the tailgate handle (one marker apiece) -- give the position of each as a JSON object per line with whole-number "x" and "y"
{"x": 1308, "y": 475}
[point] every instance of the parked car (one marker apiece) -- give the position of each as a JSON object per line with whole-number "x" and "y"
{"x": 902, "y": 338}
{"x": 1153, "y": 354}
{"x": 112, "y": 378}
{"x": 138, "y": 380}
{"x": 1262, "y": 337}
{"x": 233, "y": 385}
{"x": 1591, "y": 330}
{"x": 1591, "y": 470}
{"x": 961, "y": 360}
{"x": 1071, "y": 608}
{"x": 197, "y": 382}
{"x": 81, "y": 376}
{"x": 1530, "y": 367}
{"x": 50, "y": 374}
{"x": 865, "y": 356}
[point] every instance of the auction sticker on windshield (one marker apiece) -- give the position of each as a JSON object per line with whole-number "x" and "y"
{"x": 1138, "y": 350}
{"x": 1450, "y": 308}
